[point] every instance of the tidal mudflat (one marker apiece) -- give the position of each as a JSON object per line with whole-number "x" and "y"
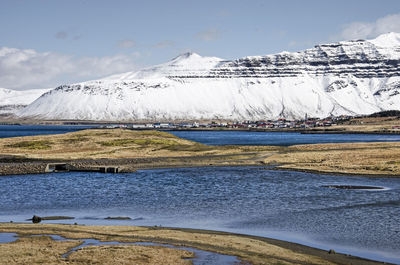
{"x": 37, "y": 244}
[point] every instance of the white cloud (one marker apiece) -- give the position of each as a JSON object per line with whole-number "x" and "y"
{"x": 209, "y": 35}
{"x": 126, "y": 44}
{"x": 24, "y": 68}
{"x": 369, "y": 30}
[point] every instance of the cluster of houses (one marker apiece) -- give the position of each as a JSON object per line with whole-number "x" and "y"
{"x": 268, "y": 124}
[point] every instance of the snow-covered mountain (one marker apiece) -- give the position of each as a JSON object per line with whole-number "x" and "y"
{"x": 12, "y": 101}
{"x": 349, "y": 77}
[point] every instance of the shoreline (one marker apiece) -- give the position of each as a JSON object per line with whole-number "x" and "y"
{"x": 223, "y": 129}
{"x": 31, "y": 167}
{"x": 301, "y": 131}
{"x": 196, "y": 238}
{"x": 36, "y": 166}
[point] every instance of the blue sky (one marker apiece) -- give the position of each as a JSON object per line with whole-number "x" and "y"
{"x": 54, "y": 42}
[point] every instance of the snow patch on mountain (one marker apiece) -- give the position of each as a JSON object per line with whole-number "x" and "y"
{"x": 12, "y": 101}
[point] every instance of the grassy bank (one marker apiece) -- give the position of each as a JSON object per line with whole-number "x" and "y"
{"x": 112, "y": 144}
{"x": 255, "y": 250}
{"x": 344, "y": 158}
{"x": 132, "y": 150}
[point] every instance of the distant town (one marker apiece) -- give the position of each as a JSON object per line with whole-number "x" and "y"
{"x": 268, "y": 124}
{"x": 307, "y": 123}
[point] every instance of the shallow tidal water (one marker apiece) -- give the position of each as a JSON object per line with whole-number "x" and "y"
{"x": 251, "y": 200}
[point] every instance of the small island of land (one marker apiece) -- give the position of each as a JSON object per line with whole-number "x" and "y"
{"x": 130, "y": 150}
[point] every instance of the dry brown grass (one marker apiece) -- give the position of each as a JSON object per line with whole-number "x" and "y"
{"x": 45, "y": 250}
{"x": 107, "y": 143}
{"x": 35, "y": 250}
{"x": 370, "y": 124}
{"x": 123, "y": 254}
{"x": 354, "y": 158}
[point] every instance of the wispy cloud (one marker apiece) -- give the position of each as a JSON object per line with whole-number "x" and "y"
{"x": 164, "y": 44}
{"x": 126, "y": 44}
{"x": 292, "y": 43}
{"x": 61, "y": 35}
{"x": 368, "y": 30}
{"x": 67, "y": 35}
{"x": 25, "y": 68}
{"x": 77, "y": 37}
{"x": 224, "y": 13}
{"x": 209, "y": 35}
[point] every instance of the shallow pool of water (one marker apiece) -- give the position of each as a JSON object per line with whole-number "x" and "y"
{"x": 292, "y": 206}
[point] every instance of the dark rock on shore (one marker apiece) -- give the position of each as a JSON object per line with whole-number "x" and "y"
{"x": 118, "y": 218}
{"x": 331, "y": 251}
{"x": 36, "y": 219}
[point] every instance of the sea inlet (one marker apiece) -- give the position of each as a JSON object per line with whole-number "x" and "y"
{"x": 300, "y": 207}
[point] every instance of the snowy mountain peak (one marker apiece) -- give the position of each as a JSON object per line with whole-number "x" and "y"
{"x": 183, "y": 65}
{"x": 185, "y": 56}
{"x": 192, "y": 60}
{"x": 12, "y": 101}
{"x": 387, "y": 40}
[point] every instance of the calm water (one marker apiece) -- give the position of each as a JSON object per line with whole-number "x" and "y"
{"x": 29, "y": 130}
{"x": 277, "y": 138}
{"x": 286, "y": 205}
{"x": 215, "y": 137}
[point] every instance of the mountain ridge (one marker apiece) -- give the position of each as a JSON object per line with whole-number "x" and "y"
{"x": 343, "y": 78}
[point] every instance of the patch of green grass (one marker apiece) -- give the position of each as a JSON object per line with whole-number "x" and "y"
{"x": 32, "y": 145}
{"x": 75, "y": 139}
{"x": 141, "y": 142}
